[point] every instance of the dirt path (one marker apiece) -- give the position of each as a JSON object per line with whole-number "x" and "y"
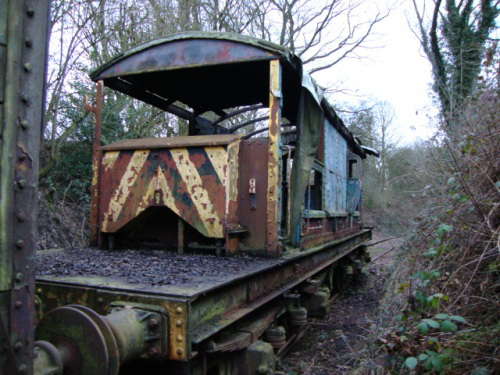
{"x": 333, "y": 344}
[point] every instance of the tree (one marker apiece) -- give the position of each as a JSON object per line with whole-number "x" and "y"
{"x": 373, "y": 124}
{"x": 322, "y": 33}
{"x": 454, "y": 43}
{"x": 86, "y": 34}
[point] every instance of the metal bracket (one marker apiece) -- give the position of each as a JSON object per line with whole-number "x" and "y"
{"x": 157, "y": 319}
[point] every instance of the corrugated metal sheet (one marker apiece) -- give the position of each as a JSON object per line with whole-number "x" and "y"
{"x": 335, "y": 169}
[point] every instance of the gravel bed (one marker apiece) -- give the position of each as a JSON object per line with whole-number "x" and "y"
{"x": 153, "y": 267}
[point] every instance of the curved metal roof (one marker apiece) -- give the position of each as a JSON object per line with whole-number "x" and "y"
{"x": 269, "y": 49}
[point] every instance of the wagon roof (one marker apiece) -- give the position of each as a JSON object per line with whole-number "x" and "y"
{"x": 172, "y": 142}
{"x": 274, "y": 50}
{"x": 213, "y": 71}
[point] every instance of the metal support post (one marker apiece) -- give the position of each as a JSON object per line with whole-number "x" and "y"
{"x": 273, "y": 179}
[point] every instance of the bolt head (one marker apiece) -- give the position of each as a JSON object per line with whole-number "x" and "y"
{"x": 30, "y": 12}
{"x": 20, "y": 244}
{"x": 153, "y": 351}
{"x": 179, "y": 338}
{"x": 24, "y": 124}
{"x": 18, "y": 346}
{"x": 180, "y": 351}
{"x": 178, "y": 323}
{"x": 178, "y": 310}
{"x": 22, "y": 369}
{"x": 28, "y": 42}
{"x": 153, "y": 323}
{"x": 39, "y": 290}
{"x": 18, "y": 304}
{"x": 19, "y": 276}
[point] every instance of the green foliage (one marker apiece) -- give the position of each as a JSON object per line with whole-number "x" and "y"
{"x": 448, "y": 326}
{"x": 455, "y": 43}
{"x": 411, "y": 362}
{"x": 443, "y": 229}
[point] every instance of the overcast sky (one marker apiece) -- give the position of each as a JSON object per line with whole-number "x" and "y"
{"x": 396, "y": 72}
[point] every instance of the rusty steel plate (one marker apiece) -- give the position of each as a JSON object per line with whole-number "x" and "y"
{"x": 172, "y": 142}
{"x": 78, "y": 338}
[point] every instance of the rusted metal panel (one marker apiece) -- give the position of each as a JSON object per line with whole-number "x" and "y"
{"x": 252, "y": 210}
{"x": 320, "y": 230}
{"x": 193, "y": 182}
{"x": 172, "y": 142}
{"x": 185, "y": 53}
{"x": 96, "y": 162}
{"x": 273, "y": 171}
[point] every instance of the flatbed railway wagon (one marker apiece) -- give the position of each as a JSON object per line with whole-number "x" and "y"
{"x": 249, "y": 235}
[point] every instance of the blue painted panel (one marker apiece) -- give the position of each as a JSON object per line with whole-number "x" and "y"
{"x": 353, "y": 195}
{"x": 335, "y": 169}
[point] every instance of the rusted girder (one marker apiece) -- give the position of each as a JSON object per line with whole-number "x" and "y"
{"x": 96, "y": 161}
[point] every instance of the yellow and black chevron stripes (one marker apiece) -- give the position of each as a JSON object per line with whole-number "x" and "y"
{"x": 190, "y": 181}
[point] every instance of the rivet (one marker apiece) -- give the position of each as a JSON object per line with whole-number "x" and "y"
{"x": 39, "y": 290}
{"x": 179, "y": 338}
{"x": 153, "y": 322}
{"x": 22, "y": 157}
{"x": 154, "y": 351}
{"x": 18, "y": 304}
{"x": 180, "y": 351}
{"x": 24, "y": 97}
{"x": 21, "y": 183}
{"x": 18, "y": 346}
{"x": 27, "y": 67}
{"x": 21, "y": 217}
{"x": 100, "y": 301}
{"x": 28, "y": 42}
{"x": 178, "y": 310}
{"x": 20, "y": 244}
{"x": 24, "y": 124}
{"x": 30, "y": 12}
{"x": 22, "y": 369}
{"x": 178, "y": 323}
{"x": 19, "y": 276}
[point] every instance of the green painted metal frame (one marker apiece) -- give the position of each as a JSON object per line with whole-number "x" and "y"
{"x": 23, "y": 53}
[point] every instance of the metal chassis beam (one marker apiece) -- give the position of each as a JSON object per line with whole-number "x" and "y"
{"x": 241, "y": 297}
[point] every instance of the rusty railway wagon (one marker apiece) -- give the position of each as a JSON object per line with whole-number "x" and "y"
{"x": 279, "y": 216}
